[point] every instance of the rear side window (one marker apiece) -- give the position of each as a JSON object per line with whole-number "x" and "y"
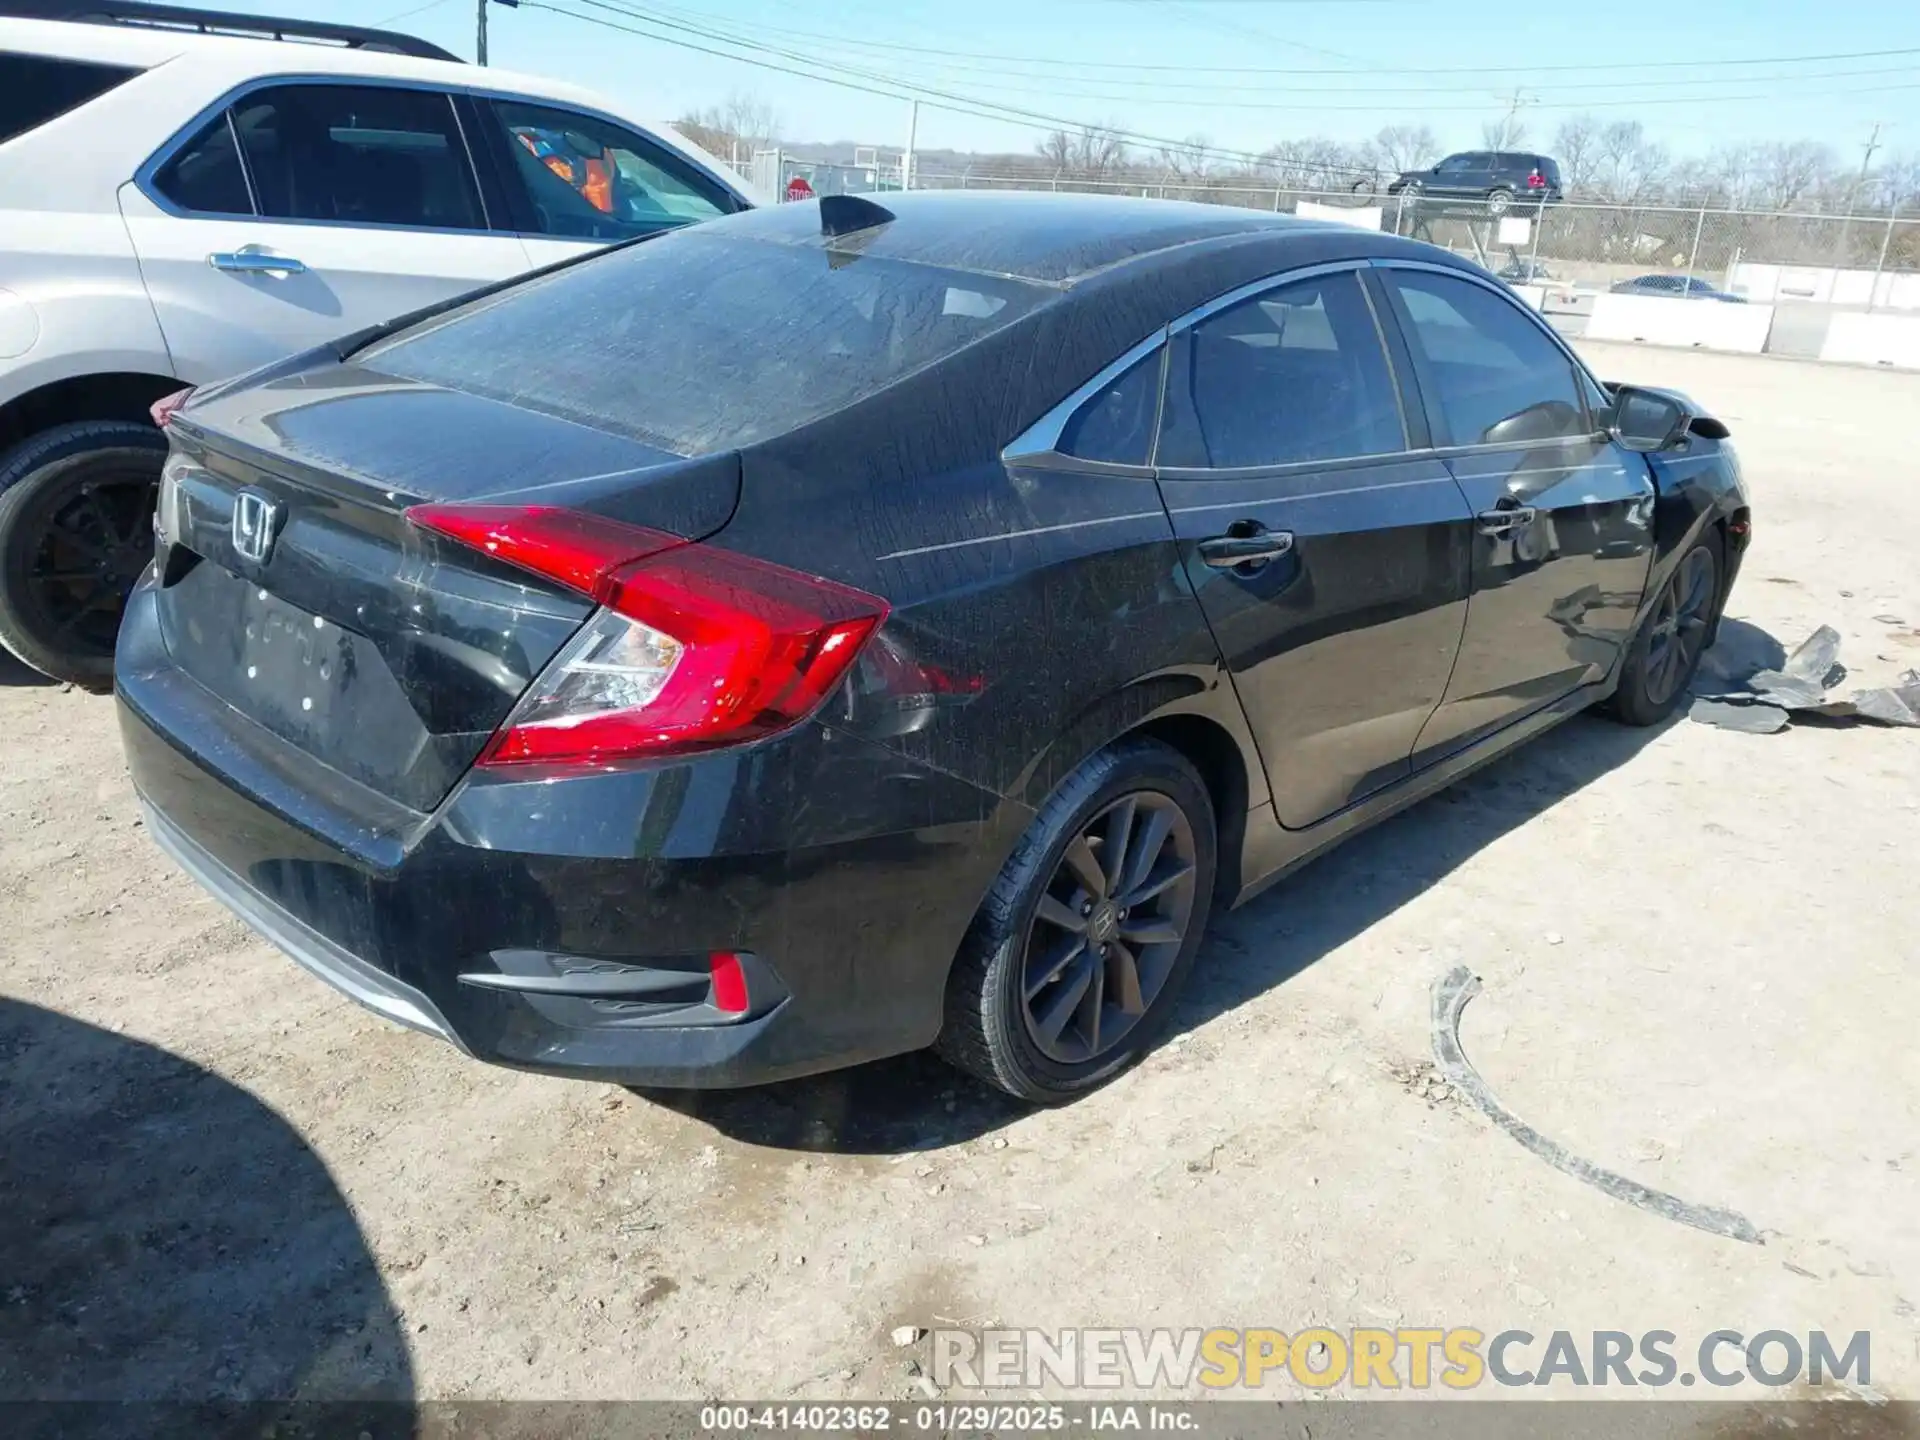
{"x": 37, "y": 88}
{"x": 1491, "y": 374}
{"x": 358, "y": 155}
{"x": 1116, "y": 425}
{"x": 589, "y": 179}
{"x": 1294, "y": 374}
{"x": 204, "y": 175}
{"x": 700, "y": 341}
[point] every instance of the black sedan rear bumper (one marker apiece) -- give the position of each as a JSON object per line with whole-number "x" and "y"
{"x": 566, "y": 924}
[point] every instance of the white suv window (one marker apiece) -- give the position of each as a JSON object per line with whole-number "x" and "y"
{"x": 589, "y": 179}
{"x": 347, "y": 154}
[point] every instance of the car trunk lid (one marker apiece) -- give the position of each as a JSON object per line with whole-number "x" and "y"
{"x": 295, "y": 589}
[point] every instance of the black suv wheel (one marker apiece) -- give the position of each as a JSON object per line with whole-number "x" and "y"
{"x": 76, "y": 530}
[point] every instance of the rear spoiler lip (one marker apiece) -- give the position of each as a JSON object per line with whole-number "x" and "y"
{"x": 633, "y": 496}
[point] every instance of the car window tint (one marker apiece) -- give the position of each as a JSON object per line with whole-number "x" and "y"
{"x": 204, "y": 175}
{"x": 1296, "y": 373}
{"x": 1497, "y": 378}
{"x": 590, "y": 179}
{"x": 355, "y": 155}
{"x": 699, "y": 341}
{"x": 1455, "y": 163}
{"x": 1116, "y": 425}
{"x": 37, "y": 88}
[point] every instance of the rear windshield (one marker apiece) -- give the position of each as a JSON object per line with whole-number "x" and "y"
{"x": 37, "y": 88}
{"x": 698, "y": 341}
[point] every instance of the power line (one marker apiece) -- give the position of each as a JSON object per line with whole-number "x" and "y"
{"x": 900, "y": 87}
{"x": 897, "y": 90}
{"x": 1075, "y": 65}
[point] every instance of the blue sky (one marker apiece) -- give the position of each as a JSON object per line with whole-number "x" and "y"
{"x": 1092, "y": 60}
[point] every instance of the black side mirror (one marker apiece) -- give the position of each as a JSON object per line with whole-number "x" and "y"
{"x": 1647, "y": 421}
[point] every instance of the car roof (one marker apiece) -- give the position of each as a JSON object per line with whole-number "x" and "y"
{"x": 223, "y": 62}
{"x": 1054, "y": 238}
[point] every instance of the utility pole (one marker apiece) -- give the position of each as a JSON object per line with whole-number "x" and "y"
{"x": 1508, "y": 129}
{"x": 480, "y": 41}
{"x": 1853, "y": 191}
{"x": 913, "y": 134}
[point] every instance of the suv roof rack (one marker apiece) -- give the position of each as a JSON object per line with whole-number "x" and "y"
{"x": 223, "y": 22}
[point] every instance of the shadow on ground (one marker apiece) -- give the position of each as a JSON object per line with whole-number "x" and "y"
{"x": 915, "y": 1102}
{"x": 13, "y": 672}
{"x": 164, "y": 1236}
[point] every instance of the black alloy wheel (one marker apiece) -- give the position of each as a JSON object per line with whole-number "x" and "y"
{"x": 1673, "y": 636}
{"x": 1073, "y": 964}
{"x": 1678, "y": 633}
{"x": 76, "y": 531}
{"x": 1108, "y": 927}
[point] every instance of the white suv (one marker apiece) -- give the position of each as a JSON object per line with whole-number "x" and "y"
{"x": 178, "y": 206}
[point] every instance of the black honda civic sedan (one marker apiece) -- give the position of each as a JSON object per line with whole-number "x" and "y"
{"x": 833, "y": 630}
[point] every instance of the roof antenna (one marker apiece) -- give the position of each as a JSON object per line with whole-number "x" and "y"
{"x": 849, "y": 214}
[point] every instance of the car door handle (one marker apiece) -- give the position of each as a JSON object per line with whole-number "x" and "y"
{"x": 255, "y": 260}
{"x": 1498, "y": 522}
{"x": 1224, "y": 552}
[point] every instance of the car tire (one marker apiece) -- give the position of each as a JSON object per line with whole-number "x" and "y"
{"x": 1674, "y": 634}
{"x": 76, "y": 530}
{"x": 1499, "y": 201}
{"x": 1039, "y": 1038}
{"x": 1364, "y": 187}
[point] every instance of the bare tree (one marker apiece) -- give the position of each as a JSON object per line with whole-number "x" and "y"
{"x": 1191, "y": 159}
{"x": 733, "y": 130}
{"x": 1399, "y": 148}
{"x": 1505, "y": 133}
{"x": 1094, "y": 152}
{"x": 1790, "y": 173}
{"x": 1900, "y": 183}
{"x": 1631, "y": 167}
{"x": 1576, "y": 145}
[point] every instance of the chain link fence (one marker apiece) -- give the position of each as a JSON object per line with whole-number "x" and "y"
{"x": 1870, "y": 261}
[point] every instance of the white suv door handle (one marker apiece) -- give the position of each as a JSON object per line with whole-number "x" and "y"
{"x": 255, "y": 260}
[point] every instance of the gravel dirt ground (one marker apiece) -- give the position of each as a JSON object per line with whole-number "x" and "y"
{"x": 1701, "y": 959}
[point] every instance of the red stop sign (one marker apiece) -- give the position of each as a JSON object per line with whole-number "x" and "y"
{"x": 799, "y": 189}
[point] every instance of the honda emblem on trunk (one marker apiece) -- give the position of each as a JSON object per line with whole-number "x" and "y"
{"x": 256, "y": 523}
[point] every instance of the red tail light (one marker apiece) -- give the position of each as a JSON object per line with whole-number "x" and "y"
{"x": 729, "y": 982}
{"x": 1536, "y": 181}
{"x": 697, "y": 648}
{"x": 167, "y": 406}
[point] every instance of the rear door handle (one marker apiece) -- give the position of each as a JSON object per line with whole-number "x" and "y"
{"x": 1498, "y": 522}
{"x": 1225, "y": 552}
{"x": 255, "y": 260}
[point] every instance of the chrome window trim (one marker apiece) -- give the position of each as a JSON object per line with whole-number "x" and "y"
{"x": 1039, "y": 443}
{"x": 143, "y": 177}
{"x": 1257, "y": 287}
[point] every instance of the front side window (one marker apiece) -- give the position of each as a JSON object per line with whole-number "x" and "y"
{"x": 589, "y": 179}
{"x": 37, "y": 88}
{"x": 1454, "y": 164}
{"x": 358, "y": 155}
{"x": 1492, "y": 377}
{"x": 1294, "y": 374}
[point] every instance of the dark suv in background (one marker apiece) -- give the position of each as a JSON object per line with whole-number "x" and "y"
{"x": 1493, "y": 180}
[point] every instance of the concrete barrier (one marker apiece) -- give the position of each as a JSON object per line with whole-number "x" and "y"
{"x": 1701, "y": 324}
{"x": 1874, "y": 340}
{"x": 1827, "y": 285}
